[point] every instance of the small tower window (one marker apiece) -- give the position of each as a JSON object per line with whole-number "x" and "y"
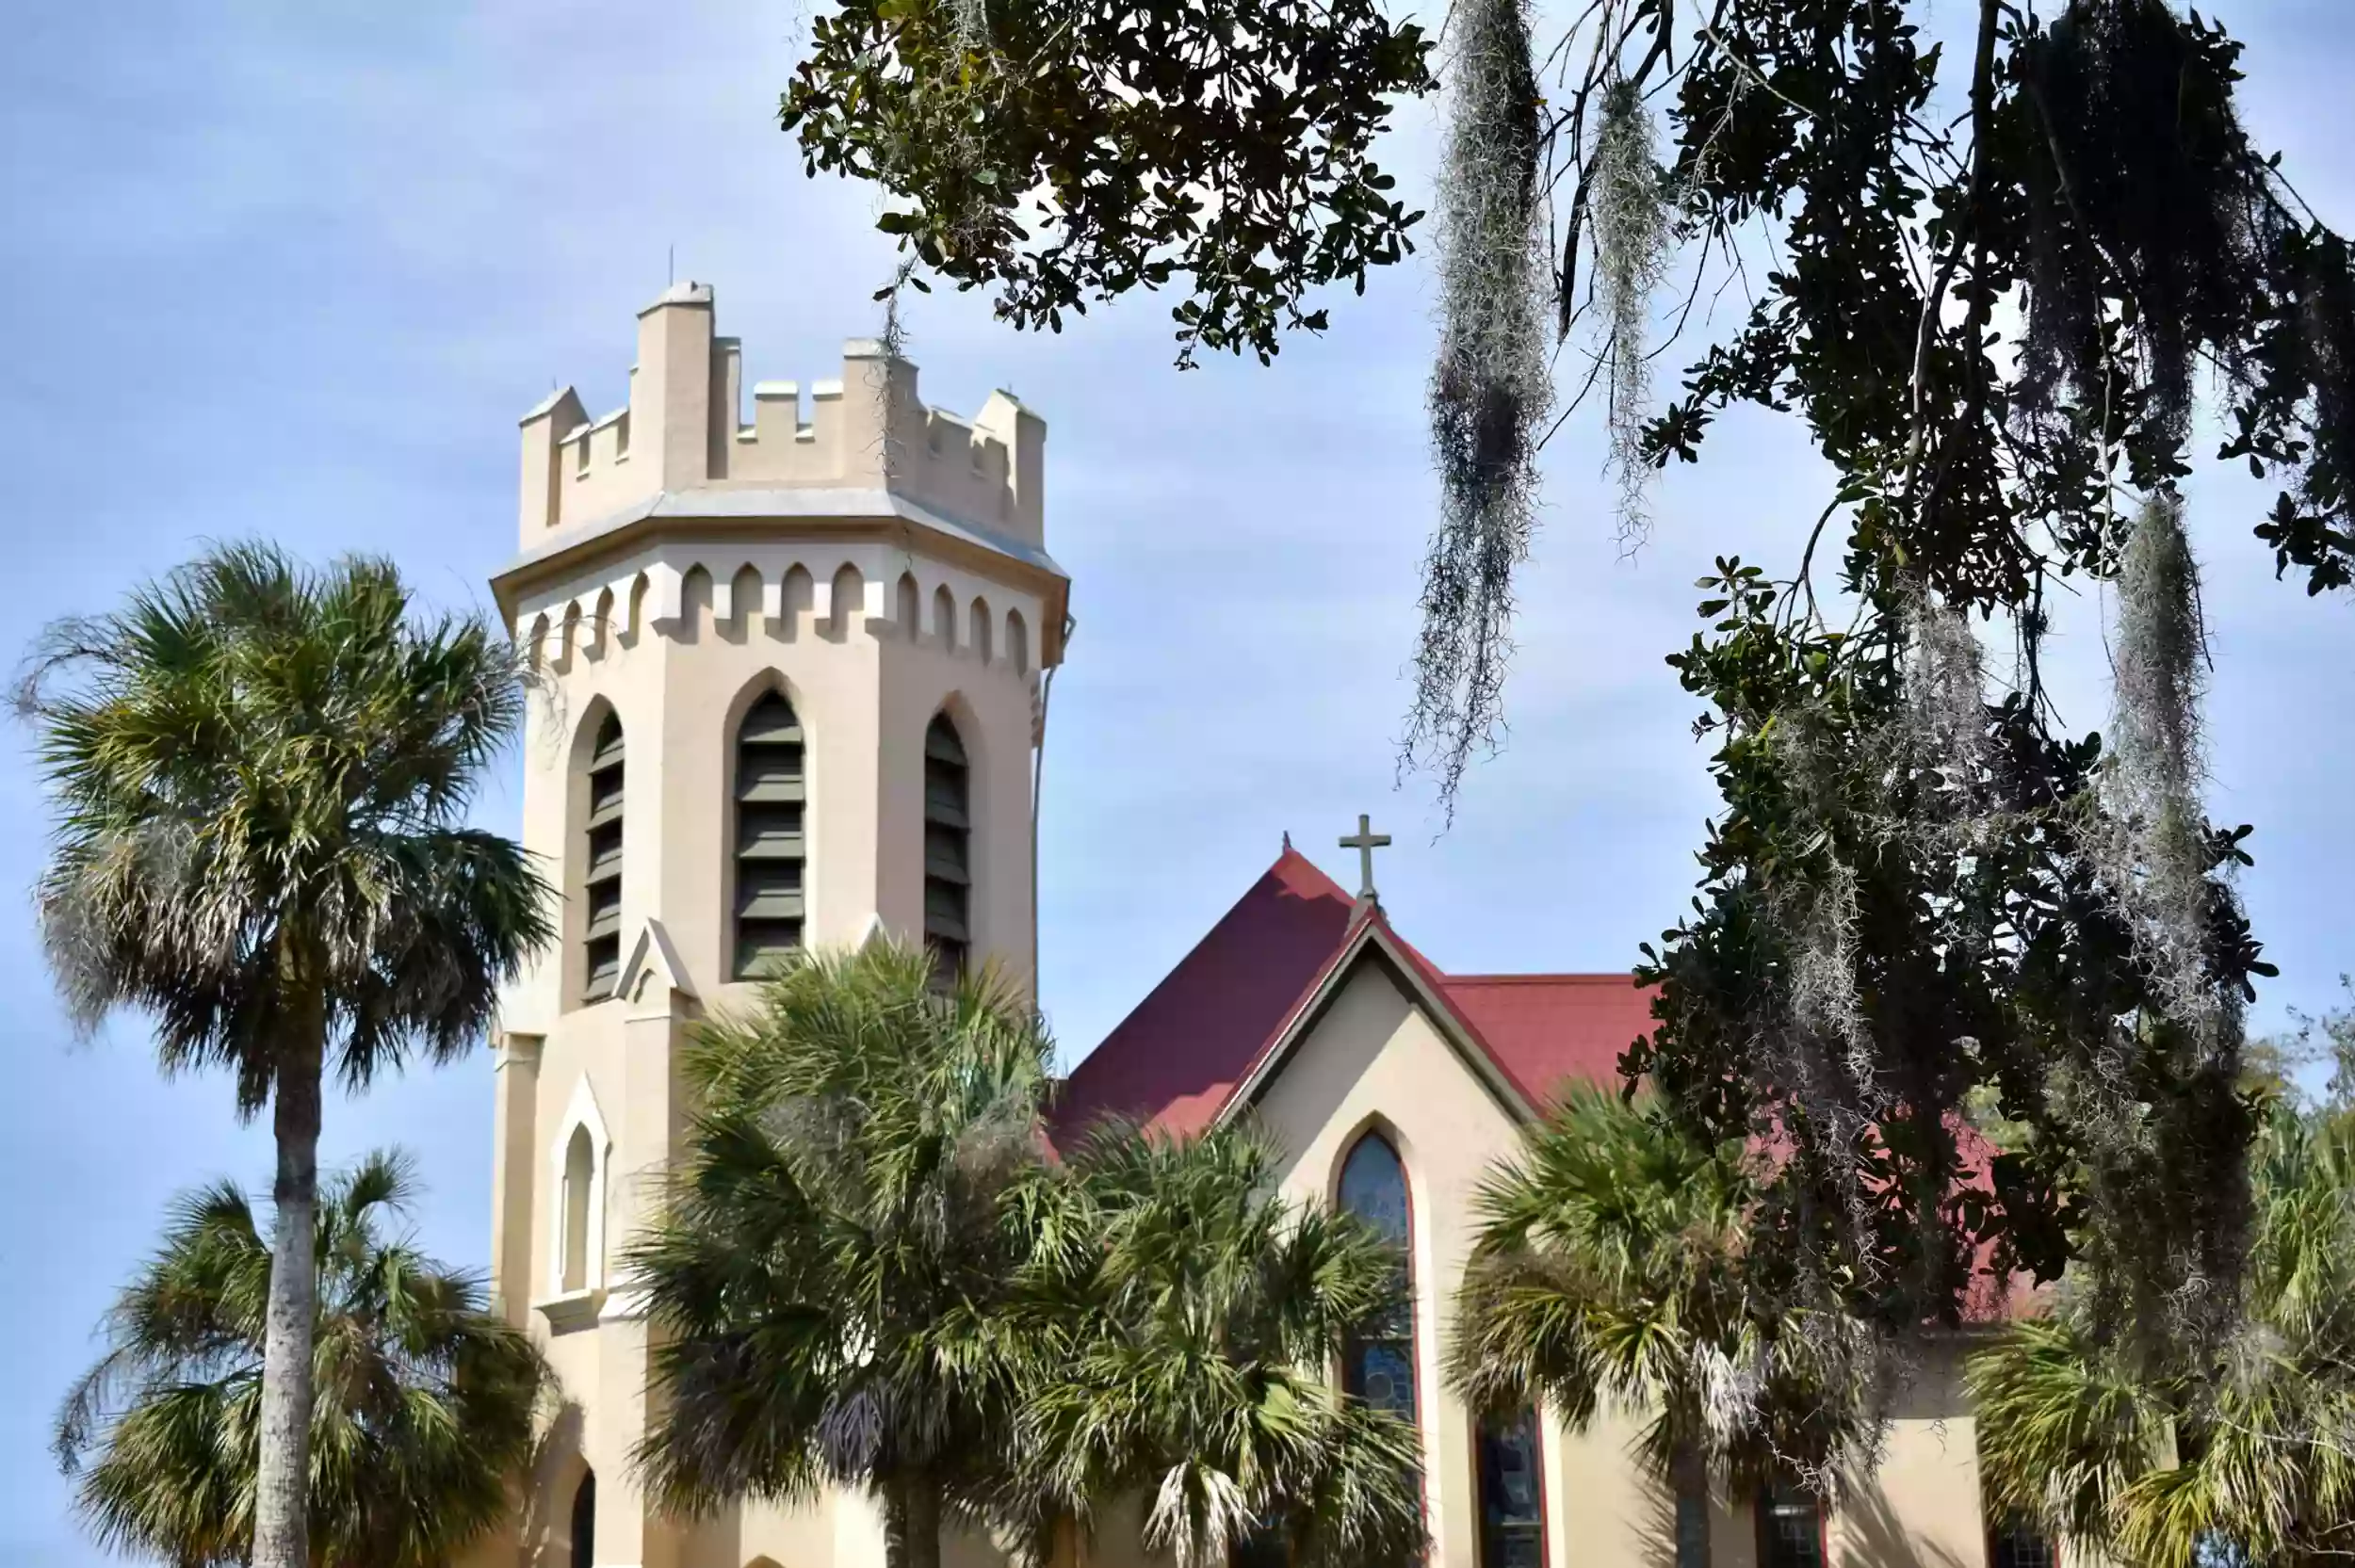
{"x": 771, "y": 838}
{"x": 601, "y": 930}
{"x": 948, "y": 838}
{"x": 580, "y": 1193}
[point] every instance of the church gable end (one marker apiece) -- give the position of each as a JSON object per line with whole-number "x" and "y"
{"x": 1228, "y": 1019}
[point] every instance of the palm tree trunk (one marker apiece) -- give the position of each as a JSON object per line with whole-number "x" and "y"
{"x": 281, "y": 1493}
{"x": 912, "y": 1523}
{"x": 1688, "y": 1480}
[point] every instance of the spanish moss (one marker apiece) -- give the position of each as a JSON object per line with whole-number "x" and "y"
{"x": 2150, "y": 195}
{"x": 2167, "y": 1181}
{"x": 2156, "y": 848}
{"x": 1631, "y": 224}
{"x": 1488, "y": 391}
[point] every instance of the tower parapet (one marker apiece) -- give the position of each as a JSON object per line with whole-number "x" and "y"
{"x": 684, "y": 428}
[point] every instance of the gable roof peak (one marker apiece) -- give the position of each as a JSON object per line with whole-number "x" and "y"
{"x": 1192, "y": 1045}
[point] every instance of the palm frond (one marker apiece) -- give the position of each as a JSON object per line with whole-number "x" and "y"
{"x": 2252, "y": 1447}
{"x": 252, "y": 761}
{"x": 425, "y": 1401}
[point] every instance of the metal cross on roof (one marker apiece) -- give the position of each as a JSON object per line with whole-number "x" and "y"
{"x": 1365, "y": 841}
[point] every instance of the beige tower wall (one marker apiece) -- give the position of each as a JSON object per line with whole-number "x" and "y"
{"x": 678, "y": 563}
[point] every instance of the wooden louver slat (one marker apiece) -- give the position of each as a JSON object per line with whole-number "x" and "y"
{"x": 771, "y": 840}
{"x": 947, "y": 864}
{"x": 600, "y": 879}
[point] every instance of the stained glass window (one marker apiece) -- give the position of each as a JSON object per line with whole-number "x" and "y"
{"x": 1512, "y": 1510}
{"x": 1789, "y": 1528}
{"x": 1378, "y": 1364}
{"x": 1374, "y": 1187}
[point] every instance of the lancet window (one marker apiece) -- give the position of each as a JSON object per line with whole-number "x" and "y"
{"x": 772, "y": 835}
{"x": 947, "y": 843}
{"x": 1512, "y": 1498}
{"x": 601, "y": 930}
{"x": 1378, "y": 1362}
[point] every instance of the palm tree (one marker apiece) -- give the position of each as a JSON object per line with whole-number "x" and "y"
{"x": 2250, "y": 1456}
{"x": 831, "y": 1267}
{"x": 1183, "y": 1323}
{"x": 259, "y": 772}
{"x": 426, "y": 1408}
{"x": 1608, "y": 1272}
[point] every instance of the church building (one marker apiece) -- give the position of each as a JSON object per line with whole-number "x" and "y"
{"x": 794, "y": 677}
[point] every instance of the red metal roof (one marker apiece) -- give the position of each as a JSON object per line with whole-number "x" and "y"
{"x": 1549, "y": 1029}
{"x": 1174, "y": 1062}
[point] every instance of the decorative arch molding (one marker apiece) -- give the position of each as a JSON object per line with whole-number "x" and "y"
{"x": 1018, "y": 642}
{"x": 760, "y": 685}
{"x": 852, "y": 599}
{"x": 654, "y": 959}
{"x": 944, "y": 619}
{"x": 979, "y": 637}
{"x": 1373, "y": 1123}
{"x": 586, "y": 724}
{"x": 611, "y": 608}
{"x": 576, "y": 1272}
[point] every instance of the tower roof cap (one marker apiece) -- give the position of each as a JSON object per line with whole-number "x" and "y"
{"x": 688, "y": 293}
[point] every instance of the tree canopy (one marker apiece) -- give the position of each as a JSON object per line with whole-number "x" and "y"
{"x": 2008, "y": 281}
{"x": 261, "y": 773}
{"x": 427, "y": 1407}
{"x": 869, "y": 1274}
{"x": 833, "y": 1260}
{"x": 2080, "y": 1440}
{"x": 1180, "y": 1322}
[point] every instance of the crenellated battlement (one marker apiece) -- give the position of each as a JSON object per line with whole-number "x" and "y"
{"x": 689, "y": 426}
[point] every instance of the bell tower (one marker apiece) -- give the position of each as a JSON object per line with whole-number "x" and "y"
{"x": 789, "y": 693}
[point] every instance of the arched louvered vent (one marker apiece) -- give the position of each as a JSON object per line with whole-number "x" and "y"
{"x": 601, "y": 883}
{"x": 771, "y": 839}
{"x": 948, "y": 834}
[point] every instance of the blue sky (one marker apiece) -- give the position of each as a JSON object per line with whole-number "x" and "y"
{"x": 295, "y": 268}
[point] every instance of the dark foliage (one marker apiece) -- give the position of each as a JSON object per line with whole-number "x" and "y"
{"x": 1071, "y": 152}
{"x": 1915, "y": 888}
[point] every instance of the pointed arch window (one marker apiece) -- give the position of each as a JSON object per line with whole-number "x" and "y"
{"x": 772, "y": 835}
{"x": 584, "y": 1521}
{"x": 601, "y": 881}
{"x": 948, "y": 842}
{"x": 580, "y": 1200}
{"x": 1378, "y": 1362}
{"x": 1512, "y": 1495}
